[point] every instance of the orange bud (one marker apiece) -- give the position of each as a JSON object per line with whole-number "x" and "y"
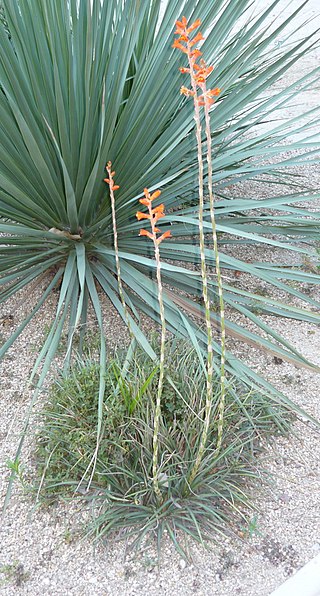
{"x": 195, "y": 54}
{"x": 167, "y": 234}
{"x": 194, "y": 26}
{"x": 187, "y": 92}
{"x": 198, "y": 37}
{"x": 158, "y": 216}
{"x": 145, "y": 233}
{"x": 155, "y": 195}
{"x": 145, "y": 202}
{"x": 163, "y": 236}
{"x": 140, "y": 215}
{"x": 182, "y": 24}
{"x": 213, "y": 92}
{"x": 183, "y": 38}
{"x": 106, "y": 180}
{"x": 158, "y": 209}
{"x": 115, "y": 187}
{"x": 146, "y": 193}
{"x": 176, "y": 44}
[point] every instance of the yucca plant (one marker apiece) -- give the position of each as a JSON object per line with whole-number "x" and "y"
{"x": 82, "y": 85}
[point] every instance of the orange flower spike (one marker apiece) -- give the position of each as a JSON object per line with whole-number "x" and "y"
{"x": 153, "y": 216}
{"x": 110, "y": 180}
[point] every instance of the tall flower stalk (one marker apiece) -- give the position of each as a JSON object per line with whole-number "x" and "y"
{"x": 153, "y": 215}
{"x": 112, "y": 188}
{"x": 198, "y": 75}
{"x": 221, "y": 407}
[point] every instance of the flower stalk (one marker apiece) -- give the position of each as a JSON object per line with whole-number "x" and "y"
{"x": 112, "y": 188}
{"x": 221, "y": 405}
{"x": 153, "y": 215}
{"x": 198, "y": 75}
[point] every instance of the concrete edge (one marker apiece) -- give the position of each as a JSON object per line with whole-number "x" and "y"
{"x": 305, "y": 582}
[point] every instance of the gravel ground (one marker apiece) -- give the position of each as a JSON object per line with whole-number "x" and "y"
{"x": 40, "y": 549}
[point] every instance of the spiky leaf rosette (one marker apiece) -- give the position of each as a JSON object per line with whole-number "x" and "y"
{"x": 81, "y": 86}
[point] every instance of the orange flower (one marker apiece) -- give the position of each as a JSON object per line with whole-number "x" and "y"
{"x": 145, "y": 202}
{"x": 187, "y": 92}
{"x": 184, "y": 70}
{"x": 195, "y": 54}
{"x": 158, "y": 209}
{"x": 149, "y": 198}
{"x": 213, "y": 92}
{"x": 198, "y": 37}
{"x": 179, "y": 46}
{"x": 194, "y": 26}
{"x": 202, "y": 73}
{"x": 166, "y": 234}
{"x": 183, "y": 38}
{"x": 146, "y": 233}
{"x": 155, "y": 195}
{"x": 140, "y": 215}
{"x": 181, "y": 25}
{"x": 208, "y": 96}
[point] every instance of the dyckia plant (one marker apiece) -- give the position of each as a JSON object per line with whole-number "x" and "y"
{"x": 153, "y": 215}
{"x": 198, "y": 76}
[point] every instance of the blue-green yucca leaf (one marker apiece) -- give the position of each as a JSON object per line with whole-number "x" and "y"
{"x": 81, "y": 86}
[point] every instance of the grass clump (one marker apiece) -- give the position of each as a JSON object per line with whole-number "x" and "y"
{"x": 122, "y": 490}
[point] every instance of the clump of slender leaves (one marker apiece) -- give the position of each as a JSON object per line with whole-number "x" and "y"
{"x": 122, "y": 493}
